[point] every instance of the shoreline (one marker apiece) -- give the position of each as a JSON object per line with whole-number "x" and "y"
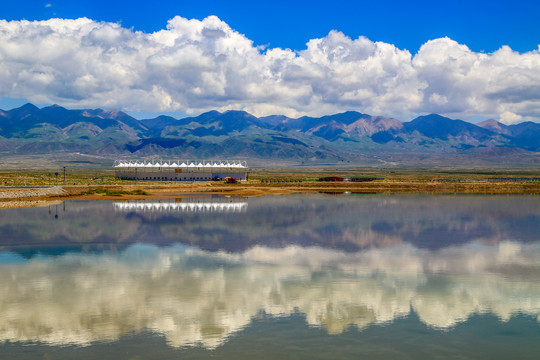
{"x": 36, "y": 196}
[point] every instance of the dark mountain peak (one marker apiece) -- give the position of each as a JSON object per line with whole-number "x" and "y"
{"x": 239, "y": 120}
{"x": 431, "y": 118}
{"x": 306, "y": 123}
{"x": 28, "y": 106}
{"x": 438, "y": 126}
{"x": 210, "y": 113}
{"x": 161, "y": 122}
{"x": 350, "y": 116}
{"x": 111, "y": 114}
{"x": 237, "y": 114}
{"x": 436, "y": 120}
{"x": 525, "y": 125}
{"x": 207, "y": 115}
{"x": 525, "y": 135}
{"x": 25, "y": 109}
{"x": 352, "y": 113}
{"x": 164, "y": 117}
{"x": 347, "y": 117}
{"x": 54, "y": 108}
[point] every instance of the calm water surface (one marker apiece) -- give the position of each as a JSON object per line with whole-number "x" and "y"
{"x": 288, "y": 277}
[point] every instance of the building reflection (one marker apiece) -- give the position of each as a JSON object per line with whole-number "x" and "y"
{"x": 195, "y": 297}
{"x": 235, "y": 205}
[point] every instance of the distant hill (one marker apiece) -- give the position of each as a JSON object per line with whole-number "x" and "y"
{"x": 524, "y": 135}
{"x": 349, "y": 137}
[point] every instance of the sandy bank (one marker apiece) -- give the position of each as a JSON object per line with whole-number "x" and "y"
{"x": 17, "y": 197}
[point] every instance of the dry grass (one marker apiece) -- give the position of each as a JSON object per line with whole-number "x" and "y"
{"x": 106, "y": 177}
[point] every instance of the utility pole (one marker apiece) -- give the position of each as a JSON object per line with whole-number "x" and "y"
{"x": 64, "y": 175}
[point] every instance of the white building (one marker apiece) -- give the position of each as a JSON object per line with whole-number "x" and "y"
{"x": 171, "y": 170}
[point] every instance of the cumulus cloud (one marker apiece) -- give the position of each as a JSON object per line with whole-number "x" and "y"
{"x": 510, "y": 118}
{"x": 462, "y": 82}
{"x": 198, "y": 65}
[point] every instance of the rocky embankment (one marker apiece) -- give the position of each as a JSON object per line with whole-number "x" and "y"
{"x": 26, "y": 197}
{"x": 19, "y": 193}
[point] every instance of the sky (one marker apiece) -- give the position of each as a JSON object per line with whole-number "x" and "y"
{"x": 465, "y": 59}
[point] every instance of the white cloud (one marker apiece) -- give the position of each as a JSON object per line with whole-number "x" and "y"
{"x": 198, "y": 65}
{"x": 510, "y": 118}
{"x": 477, "y": 83}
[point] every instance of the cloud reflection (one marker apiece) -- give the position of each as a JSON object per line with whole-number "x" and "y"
{"x": 194, "y": 297}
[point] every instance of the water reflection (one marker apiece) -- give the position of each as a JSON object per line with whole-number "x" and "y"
{"x": 347, "y": 223}
{"x": 234, "y": 205}
{"x": 195, "y": 297}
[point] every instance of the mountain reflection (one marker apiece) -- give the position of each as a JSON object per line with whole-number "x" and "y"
{"x": 349, "y": 223}
{"x": 196, "y": 297}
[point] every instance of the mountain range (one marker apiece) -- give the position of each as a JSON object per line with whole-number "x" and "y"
{"x": 349, "y": 137}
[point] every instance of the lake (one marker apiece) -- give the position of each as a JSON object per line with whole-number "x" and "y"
{"x": 341, "y": 276}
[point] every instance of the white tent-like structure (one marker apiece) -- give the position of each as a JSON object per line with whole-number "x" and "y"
{"x": 180, "y": 170}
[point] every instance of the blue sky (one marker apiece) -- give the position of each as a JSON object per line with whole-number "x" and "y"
{"x": 481, "y": 25}
{"x": 472, "y": 28}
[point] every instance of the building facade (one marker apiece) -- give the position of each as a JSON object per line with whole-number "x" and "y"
{"x": 171, "y": 170}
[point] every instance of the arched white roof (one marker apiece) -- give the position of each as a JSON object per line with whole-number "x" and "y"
{"x": 207, "y": 165}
